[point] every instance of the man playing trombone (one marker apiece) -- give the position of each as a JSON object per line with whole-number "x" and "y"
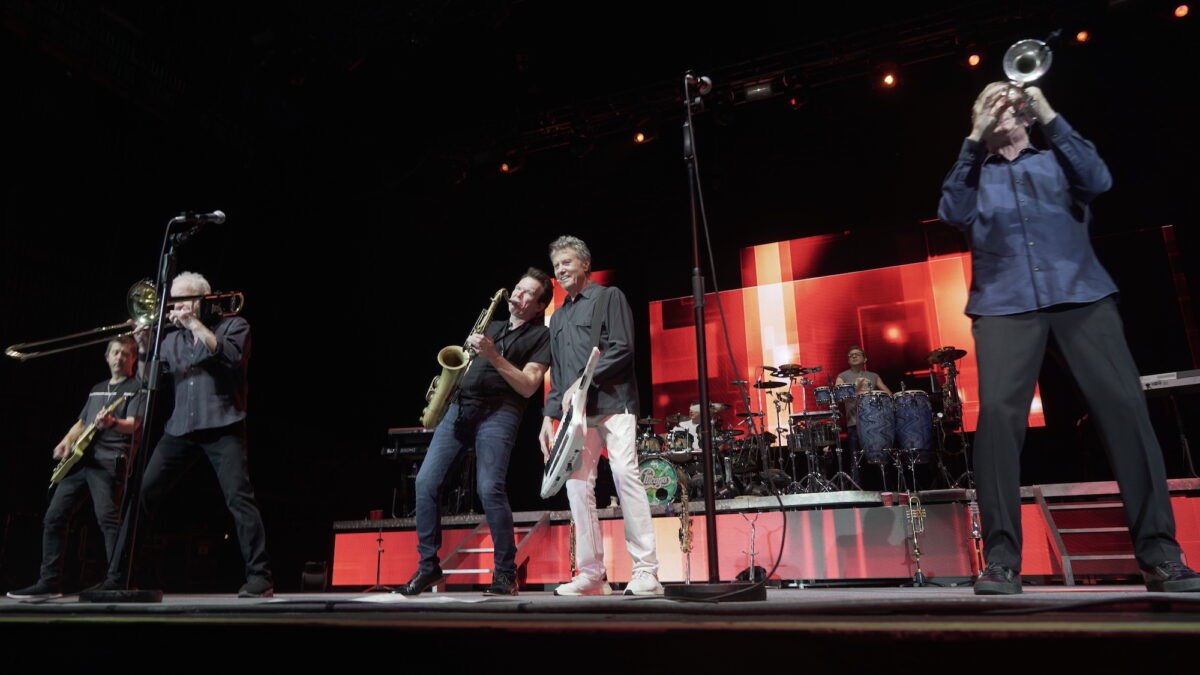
{"x": 206, "y": 359}
{"x": 101, "y": 471}
{"x": 486, "y": 415}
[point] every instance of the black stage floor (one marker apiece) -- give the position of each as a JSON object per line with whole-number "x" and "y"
{"x": 1103, "y": 627}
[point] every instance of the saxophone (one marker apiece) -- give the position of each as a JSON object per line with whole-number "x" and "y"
{"x": 454, "y": 361}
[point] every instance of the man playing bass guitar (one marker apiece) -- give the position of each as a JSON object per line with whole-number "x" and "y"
{"x": 100, "y": 471}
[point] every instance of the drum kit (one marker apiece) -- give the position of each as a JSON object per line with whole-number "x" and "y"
{"x": 805, "y": 453}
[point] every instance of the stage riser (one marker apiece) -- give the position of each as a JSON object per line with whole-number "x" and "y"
{"x": 832, "y": 544}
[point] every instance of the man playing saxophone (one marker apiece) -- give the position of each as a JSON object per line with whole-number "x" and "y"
{"x": 512, "y": 358}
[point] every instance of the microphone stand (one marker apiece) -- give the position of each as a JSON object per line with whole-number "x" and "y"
{"x": 714, "y": 590}
{"x": 131, "y": 502}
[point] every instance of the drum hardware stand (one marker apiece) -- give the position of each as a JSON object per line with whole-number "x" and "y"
{"x": 943, "y": 472}
{"x": 841, "y": 477}
{"x": 753, "y": 552}
{"x": 953, "y": 403}
{"x": 378, "y": 587}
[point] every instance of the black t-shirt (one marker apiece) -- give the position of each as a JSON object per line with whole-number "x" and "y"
{"x": 110, "y": 440}
{"x": 483, "y": 384}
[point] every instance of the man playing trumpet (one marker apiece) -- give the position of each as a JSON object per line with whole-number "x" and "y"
{"x": 1026, "y": 213}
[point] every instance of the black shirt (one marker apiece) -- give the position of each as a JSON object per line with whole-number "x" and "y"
{"x": 210, "y": 387}
{"x": 483, "y": 384}
{"x": 614, "y": 389}
{"x": 110, "y": 440}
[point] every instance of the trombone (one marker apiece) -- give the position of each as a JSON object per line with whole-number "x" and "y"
{"x": 141, "y": 300}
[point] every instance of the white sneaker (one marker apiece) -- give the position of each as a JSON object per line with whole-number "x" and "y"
{"x": 644, "y": 583}
{"x": 582, "y": 585}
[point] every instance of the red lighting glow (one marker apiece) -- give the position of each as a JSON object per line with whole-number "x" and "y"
{"x": 1181, "y": 11}
{"x": 893, "y": 334}
{"x": 1083, "y": 36}
{"x": 973, "y": 60}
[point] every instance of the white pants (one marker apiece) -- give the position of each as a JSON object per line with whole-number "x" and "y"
{"x": 619, "y": 434}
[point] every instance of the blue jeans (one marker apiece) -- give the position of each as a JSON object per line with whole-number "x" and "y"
{"x": 492, "y": 432}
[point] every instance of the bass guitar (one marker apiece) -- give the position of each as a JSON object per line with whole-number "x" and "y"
{"x": 81, "y": 444}
{"x": 568, "y": 440}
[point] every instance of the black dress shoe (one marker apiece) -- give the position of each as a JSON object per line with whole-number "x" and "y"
{"x": 421, "y": 582}
{"x": 502, "y": 584}
{"x": 1172, "y": 577}
{"x": 996, "y": 579}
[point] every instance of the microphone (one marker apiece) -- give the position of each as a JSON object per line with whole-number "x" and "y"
{"x": 214, "y": 218}
{"x": 703, "y": 84}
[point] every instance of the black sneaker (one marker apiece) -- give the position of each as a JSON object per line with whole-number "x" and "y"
{"x": 421, "y": 582}
{"x": 996, "y": 579}
{"x": 1169, "y": 577}
{"x": 502, "y": 584}
{"x": 257, "y": 587}
{"x": 38, "y": 591}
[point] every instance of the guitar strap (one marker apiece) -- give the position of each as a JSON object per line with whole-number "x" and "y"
{"x": 599, "y": 310}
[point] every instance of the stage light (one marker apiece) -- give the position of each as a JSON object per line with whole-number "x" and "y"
{"x": 512, "y": 163}
{"x": 889, "y": 79}
{"x": 893, "y": 334}
{"x": 973, "y": 60}
{"x": 1181, "y": 11}
{"x": 758, "y": 92}
{"x": 1083, "y": 36}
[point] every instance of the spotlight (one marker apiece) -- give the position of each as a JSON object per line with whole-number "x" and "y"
{"x": 1082, "y": 36}
{"x": 1181, "y": 11}
{"x": 973, "y": 60}
{"x": 889, "y": 80}
{"x": 643, "y": 137}
{"x": 512, "y": 163}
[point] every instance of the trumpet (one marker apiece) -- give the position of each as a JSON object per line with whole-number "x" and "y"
{"x": 141, "y": 301}
{"x": 1025, "y": 62}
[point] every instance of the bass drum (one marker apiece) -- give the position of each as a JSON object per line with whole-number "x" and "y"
{"x": 660, "y": 479}
{"x": 914, "y": 424}
{"x": 876, "y": 425}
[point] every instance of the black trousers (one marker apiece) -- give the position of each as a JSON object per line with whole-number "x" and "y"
{"x": 1010, "y": 350}
{"x": 101, "y": 475}
{"x": 225, "y": 449}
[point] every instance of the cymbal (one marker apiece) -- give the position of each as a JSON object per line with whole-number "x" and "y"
{"x": 731, "y": 433}
{"x": 945, "y": 355}
{"x": 678, "y": 418}
{"x": 649, "y": 421}
{"x": 718, "y": 407}
{"x": 750, "y": 414}
{"x": 769, "y": 384}
{"x": 790, "y": 370}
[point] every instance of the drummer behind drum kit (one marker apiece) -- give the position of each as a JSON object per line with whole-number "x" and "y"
{"x": 901, "y": 429}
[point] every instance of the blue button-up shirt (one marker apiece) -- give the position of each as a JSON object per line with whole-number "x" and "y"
{"x": 1027, "y": 222}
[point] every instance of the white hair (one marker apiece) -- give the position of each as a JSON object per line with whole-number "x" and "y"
{"x": 574, "y": 243}
{"x": 195, "y": 280}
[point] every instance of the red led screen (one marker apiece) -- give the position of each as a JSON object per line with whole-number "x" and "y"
{"x": 897, "y": 314}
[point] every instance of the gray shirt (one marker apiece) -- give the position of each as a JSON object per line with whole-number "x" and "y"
{"x": 850, "y": 377}
{"x": 614, "y": 388}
